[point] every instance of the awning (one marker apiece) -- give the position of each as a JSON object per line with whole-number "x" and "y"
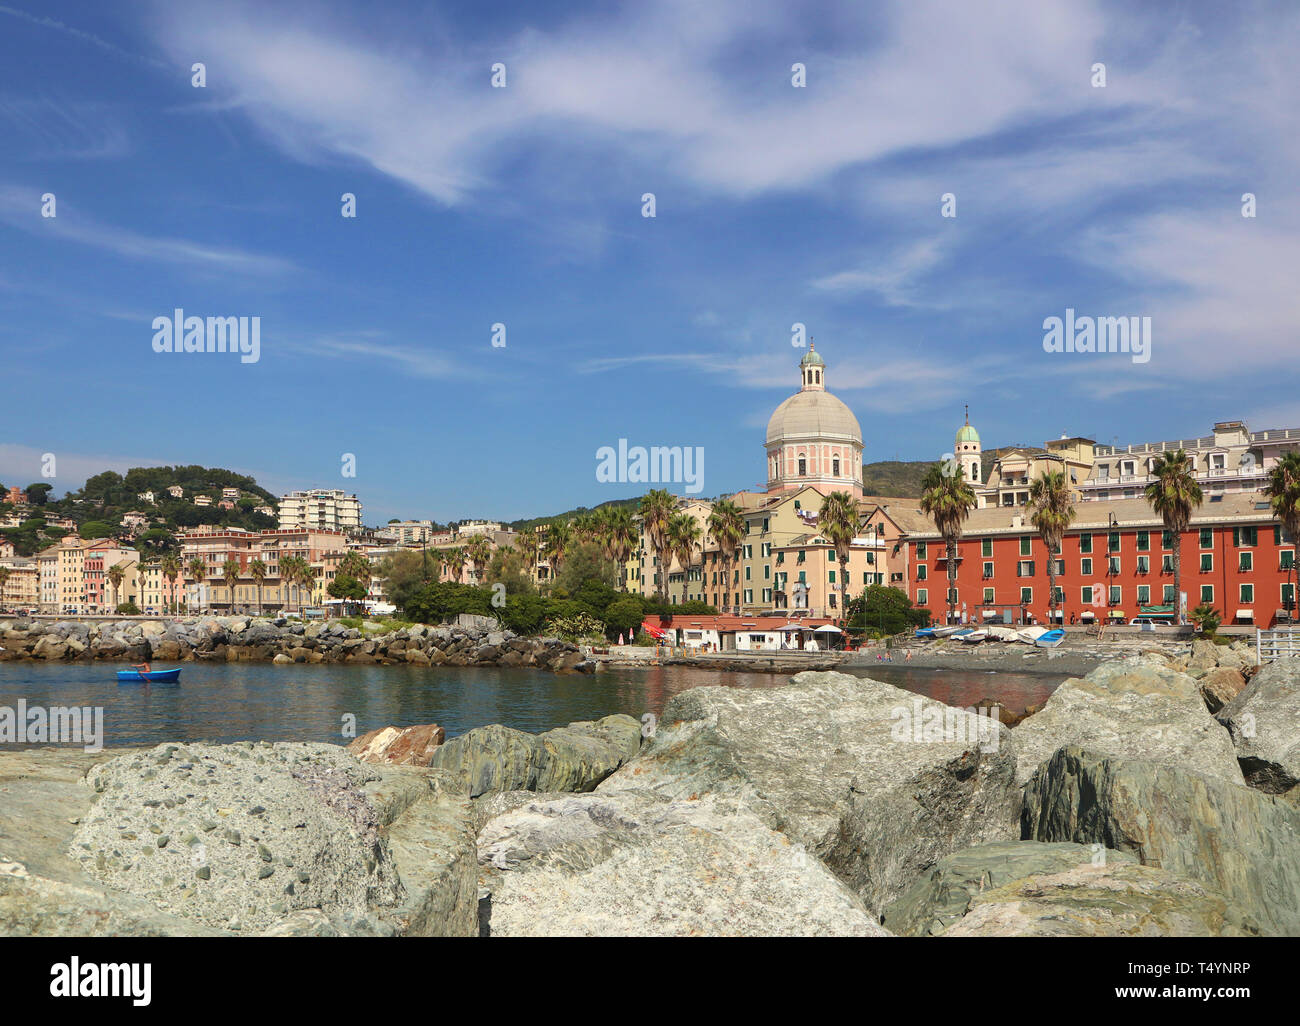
{"x": 1087, "y": 616}
{"x": 1155, "y": 610}
{"x": 1116, "y": 612}
{"x": 791, "y": 627}
{"x": 1245, "y": 614}
{"x": 654, "y": 631}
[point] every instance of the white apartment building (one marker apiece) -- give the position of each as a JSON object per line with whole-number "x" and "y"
{"x": 1232, "y": 459}
{"x": 321, "y": 509}
{"x": 472, "y": 527}
{"x": 408, "y": 532}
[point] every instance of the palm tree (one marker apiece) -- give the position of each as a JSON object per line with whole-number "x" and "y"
{"x": 257, "y": 570}
{"x": 1283, "y": 491}
{"x": 1173, "y": 495}
{"x": 171, "y": 569}
{"x": 947, "y": 499}
{"x": 726, "y": 526}
{"x": 4, "y": 577}
{"x": 838, "y": 523}
{"x": 586, "y": 526}
{"x": 684, "y": 535}
{"x": 619, "y": 538}
{"x": 230, "y": 570}
{"x": 198, "y": 570}
{"x": 115, "y": 577}
{"x": 657, "y": 509}
{"x": 306, "y": 579}
{"x": 479, "y": 551}
{"x": 1052, "y": 513}
{"x": 291, "y": 574}
{"x": 453, "y": 561}
{"x": 559, "y": 539}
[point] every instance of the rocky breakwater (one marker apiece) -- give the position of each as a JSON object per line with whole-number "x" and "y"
{"x": 240, "y": 638}
{"x": 834, "y": 805}
{"x": 1136, "y": 820}
{"x": 797, "y": 810}
{"x": 281, "y": 839}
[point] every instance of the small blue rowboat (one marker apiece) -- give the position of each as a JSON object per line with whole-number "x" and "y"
{"x": 1050, "y": 639}
{"x": 152, "y": 677}
{"x": 925, "y": 632}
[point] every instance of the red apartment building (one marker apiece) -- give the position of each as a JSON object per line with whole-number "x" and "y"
{"x": 216, "y": 545}
{"x": 1116, "y": 561}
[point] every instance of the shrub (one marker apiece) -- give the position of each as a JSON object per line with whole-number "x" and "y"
{"x": 578, "y": 627}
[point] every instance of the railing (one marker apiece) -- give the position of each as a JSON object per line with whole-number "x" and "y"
{"x": 1276, "y": 644}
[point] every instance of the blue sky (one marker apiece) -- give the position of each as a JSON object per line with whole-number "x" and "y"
{"x": 522, "y": 205}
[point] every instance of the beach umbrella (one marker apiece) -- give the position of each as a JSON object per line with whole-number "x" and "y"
{"x": 827, "y": 628}
{"x": 620, "y": 637}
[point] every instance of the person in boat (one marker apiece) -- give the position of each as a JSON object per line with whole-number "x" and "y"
{"x": 142, "y": 667}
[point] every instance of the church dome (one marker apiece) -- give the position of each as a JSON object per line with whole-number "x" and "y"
{"x": 967, "y": 434}
{"x": 813, "y": 414}
{"x": 812, "y": 359}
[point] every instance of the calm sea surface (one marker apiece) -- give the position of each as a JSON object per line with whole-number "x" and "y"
{"x": 224, "y": 702}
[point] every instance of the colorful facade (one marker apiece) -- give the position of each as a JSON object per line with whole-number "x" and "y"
{"x": 1115, "y": 561}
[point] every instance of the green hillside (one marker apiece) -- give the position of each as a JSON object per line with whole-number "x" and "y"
{"x": 99, "y": 505}
{"x": 902, "y": 480}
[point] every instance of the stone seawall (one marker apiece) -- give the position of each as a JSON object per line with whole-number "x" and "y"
{"x": 244, "y": 638}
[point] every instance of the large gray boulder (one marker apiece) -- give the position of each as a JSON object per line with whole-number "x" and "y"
{"x": 1138, "y": 708}
{"x": 945, "y": 893}
{"x": 1117, "y": 899}
{"x": 572, "y": 758}
{"x": 32, "y": 905}
{"x": 1264, "y": 724}
{"x": 1228, "y": 837}
{"x": 431, "y": 840}
{"x": 238, "y": 836}
{"x": 632, "y": 864}
{"x": 857, "y": 771}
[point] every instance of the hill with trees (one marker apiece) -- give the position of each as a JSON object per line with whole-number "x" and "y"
{"x": 97, "y": 508}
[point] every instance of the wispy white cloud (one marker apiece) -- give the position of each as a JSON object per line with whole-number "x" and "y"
{"x": 1220, "y": 291}
{"x": 895, "y": 277}
{"x": 659, "y": 81}
{"x": 84, "y": 37}
{"x": 21, "y": 208}
{"x": 385, "y": 354}
{"x": 43, "y": 128}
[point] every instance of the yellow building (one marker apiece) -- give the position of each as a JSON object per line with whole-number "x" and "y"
{"x": 22, "y": 586}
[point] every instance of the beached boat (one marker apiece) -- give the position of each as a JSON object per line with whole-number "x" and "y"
{"x": 1030, "y": 635}
{"x": 1050, "y": 639}
{"x": 152, "y": 677}
{"x": 925, "y": 632}
{"x": 1002, "y": 634}
{"x": 943, "y": 632}
{"x": 963, "y": 633}
{"x": 974, "y": 636}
